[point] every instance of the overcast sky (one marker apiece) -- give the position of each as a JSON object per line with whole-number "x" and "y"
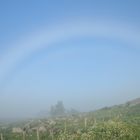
{"x": 83, "y": 52}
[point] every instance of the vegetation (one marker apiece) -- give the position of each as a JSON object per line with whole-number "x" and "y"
{"x": 58, "y": 109}
{"x": 110, "y": 123}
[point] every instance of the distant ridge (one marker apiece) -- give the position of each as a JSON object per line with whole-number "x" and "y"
{"x": 129, "y": 111}
{"x": 133, "y": 102}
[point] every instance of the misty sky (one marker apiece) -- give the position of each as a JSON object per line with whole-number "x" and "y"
{"x": 83, "y": 52}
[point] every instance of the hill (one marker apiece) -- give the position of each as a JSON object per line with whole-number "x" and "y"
{"x": 129, "y": 111}
{"x": 119, "y": 122}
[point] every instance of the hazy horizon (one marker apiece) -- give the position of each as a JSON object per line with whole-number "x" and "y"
{"x": 84, "y": 53}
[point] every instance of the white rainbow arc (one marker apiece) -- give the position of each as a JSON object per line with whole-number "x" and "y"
{"x": 63, "y": 32}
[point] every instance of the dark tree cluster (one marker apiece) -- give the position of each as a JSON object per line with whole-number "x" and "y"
{"x": 58, "y": 109}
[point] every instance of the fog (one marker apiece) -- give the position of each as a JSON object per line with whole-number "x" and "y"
{"x": 88, "y": 60}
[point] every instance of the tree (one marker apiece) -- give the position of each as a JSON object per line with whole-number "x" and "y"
{"x": 58, "y": 109}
